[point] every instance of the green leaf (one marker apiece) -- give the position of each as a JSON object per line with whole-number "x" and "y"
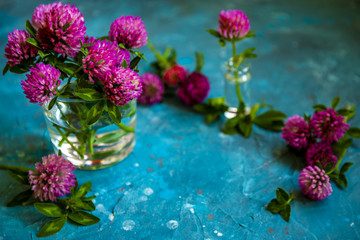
{"x": 31, "y": 30}
{"x": 354, "y": 132}
{"x": 83, "y": 190}
{"x": 20, "y": 178}
{"x": 200, "y": 61}
{"x": 201, "y": 108}
{"x": 134, "y": 62}
{"x": 49, "y": 209}
{"x": 270, "y": 120}
{"x": 88, "y": 94}
{"x": 124, "y": 64}
{"x": 20, "y": 198}
{"x": 68, "y": 68}
{"x": 345, "y": 112}
{"x": 343, "y": 180}
{"x": 87, "y": 199}
{"x": 253, "y": 111}
{"x": 346, "y": 167}
{"x": 282, "y": 196}
{"x": 210, "y": 118}
{"x": 100, "y": 155}
{"x": 222, "y": 42}
{"x": 214, "y": 33}
{"x": 319, "y": 107}
{"x": 84, "y": 218}
{"x": 114, "y": 112}
{"x": 18, "y": 170}
{"x": 95, "y": 113}
{"x": 19, "y": 69}
{"x": 285, "y": 213}
{"x": 106, "y": 38}
{"x": 245, "y": 127}
{"x": 250, "y": 34}
{"x": 52, "y": 227}
{"x": 33, "y": 42}
{"x": 274, "y": 206}
{"x": 52, "y": 103}
{"x": 6, "y": 68}
{"x": 112, "y": 137}
{"x": 335, "y": 102}
{"x": 73, "y": 190}
{"x": 125, "y": 128}
{"x": 216, "y": 101}
{"x": 229, "y": 130}
{"x": 232, "y": 122}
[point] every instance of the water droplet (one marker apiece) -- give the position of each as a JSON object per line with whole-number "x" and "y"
{"x": 148, "y": 191}
{"x": 352, "y": 224}
{"x": 136, "y": 165}
{"x": 219, "y": 234}
{"x": 172, "y": 224}
{"x": 111, "y": 216}
{"x": 128, "y": 225}
{"x": 128, "y": 183}
{"x": 143, "y": 198}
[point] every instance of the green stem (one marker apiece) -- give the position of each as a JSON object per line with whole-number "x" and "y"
{"x": 22, "y": 169}
{"x": 72, "y": 75}
{"x": 336, "y": 168}
{"x": 91, "y": 141}
{"x": 68, "y": 141}
{"x": 63, "y": 139}
{"x": 236, "y": 73}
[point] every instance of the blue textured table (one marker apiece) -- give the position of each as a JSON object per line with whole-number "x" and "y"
{"x": 185, "y": 179}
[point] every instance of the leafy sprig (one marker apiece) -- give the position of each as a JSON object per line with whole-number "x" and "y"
{"x": 73, "y": 208}
{"x": 281, "y": 204}
{"x": 242, "y": 123}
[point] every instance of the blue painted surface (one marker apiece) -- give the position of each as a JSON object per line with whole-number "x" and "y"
{"x": 186, "y": 180}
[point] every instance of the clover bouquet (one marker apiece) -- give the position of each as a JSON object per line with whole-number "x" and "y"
{"x": 86, "y": 85}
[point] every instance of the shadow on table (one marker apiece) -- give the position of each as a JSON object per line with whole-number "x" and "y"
{"x": 23, "y": 150}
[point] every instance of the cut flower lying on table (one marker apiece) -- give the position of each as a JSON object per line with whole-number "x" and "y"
{"x": 47, "y": 186}
{"x": 323, "y": 140}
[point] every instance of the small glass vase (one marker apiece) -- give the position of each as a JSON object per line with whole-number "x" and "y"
{"x": 236, "y": 83}
{"x": 94, "y": 146}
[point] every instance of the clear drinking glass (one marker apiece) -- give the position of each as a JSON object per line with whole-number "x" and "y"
{"x": 236, "y": 79}
{"x": 90, "y": 146}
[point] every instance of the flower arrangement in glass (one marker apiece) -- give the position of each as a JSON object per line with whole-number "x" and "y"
{"x": 87, "y": 87}
{"x": 234, "y": 26}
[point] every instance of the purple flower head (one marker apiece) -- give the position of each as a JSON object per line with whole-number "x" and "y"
{"x": 102, "y": 58}
{"x": 122, "y": 85}
{"x": 130, "y": 31}
{"x": 320, "y": 152}
{"x": 194, "y": 89}
{"x": 296, "y": 132}
{"x": 59, "y": 27}
{"x": 315, "y": 183}
{"x": 89, "y": 40}
{"x": 328, "y": 125}
{"x": 153, "y": 89}
{"x": 175, "y": 75}
{"x": 17, "y": 49}
{"x": 52, "y": 178}
{"x": 41, "y": 83}
{"x": 233, "y": 24}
